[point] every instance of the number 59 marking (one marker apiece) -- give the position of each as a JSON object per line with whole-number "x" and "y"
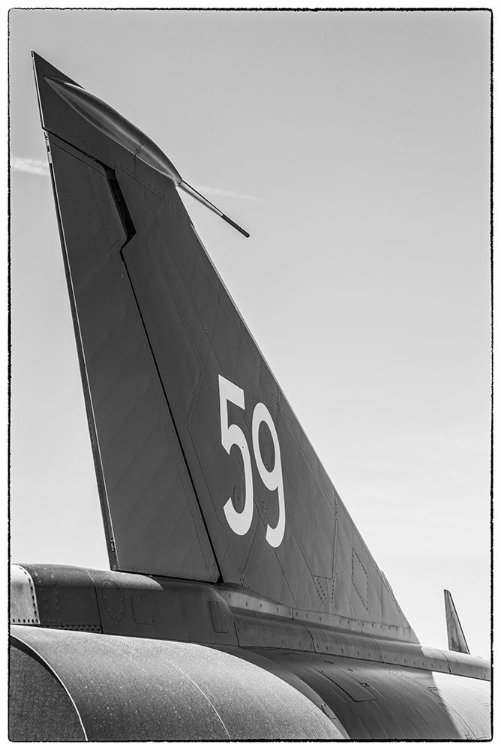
{"x": 231, "y": 434}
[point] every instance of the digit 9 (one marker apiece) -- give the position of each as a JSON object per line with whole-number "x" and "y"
{"x": 273, "y": 480}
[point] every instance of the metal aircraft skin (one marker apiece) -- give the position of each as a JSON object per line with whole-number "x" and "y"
{"x": 242, "y": 602}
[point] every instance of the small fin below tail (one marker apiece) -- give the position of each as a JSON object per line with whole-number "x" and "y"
{"x": 455, "y": 635}
{"x": 203, "y": 469}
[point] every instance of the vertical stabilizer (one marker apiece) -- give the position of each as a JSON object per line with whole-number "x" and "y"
{"x": 205, "y": 472}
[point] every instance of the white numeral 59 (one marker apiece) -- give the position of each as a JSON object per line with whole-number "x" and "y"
{"x": 231, "y": 435}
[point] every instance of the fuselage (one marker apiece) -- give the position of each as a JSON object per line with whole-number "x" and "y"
{"x": 367, "y": 686}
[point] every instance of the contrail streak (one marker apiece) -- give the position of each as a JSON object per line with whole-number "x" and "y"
{"x": 227, "y": 193}
{"x": 40, "y": 167}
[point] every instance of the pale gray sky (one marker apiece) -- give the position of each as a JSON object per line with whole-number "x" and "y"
{"x": 354, "y": 147}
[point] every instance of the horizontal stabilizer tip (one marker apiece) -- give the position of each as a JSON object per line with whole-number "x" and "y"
{"x": 455, "y": 635}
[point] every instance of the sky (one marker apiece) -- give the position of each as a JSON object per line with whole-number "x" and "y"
{"x": 354, "y": 147}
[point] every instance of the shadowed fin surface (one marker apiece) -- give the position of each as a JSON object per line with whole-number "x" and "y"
{"x": 204, "y": 471}
{"x": 455, "y": 635}
{"x": 153, "y": 517}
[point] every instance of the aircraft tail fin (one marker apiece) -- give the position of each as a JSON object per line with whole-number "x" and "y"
{"x": 204, "y": 471}
{"x": 455, "y": 635}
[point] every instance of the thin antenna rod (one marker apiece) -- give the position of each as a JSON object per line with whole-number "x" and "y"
{"x": 201, "y": 199}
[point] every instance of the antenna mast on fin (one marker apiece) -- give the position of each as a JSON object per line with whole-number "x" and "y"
{"x": 201, "y": 199}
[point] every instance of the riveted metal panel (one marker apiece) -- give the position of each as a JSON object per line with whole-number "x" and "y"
{"x": 66, "y": 597}
{"x": 408, "y": 703}
{"x": 359, "y": 579}
{"x": 464, "y": 664}
{"x": 220, "y": 620}
{"x": 255, "y": 630}
{"x": 129, "y": 604}
{"x": 162, "y": 608}
{"x": 22, "y": 600}
{"x": 358, "y": 691}
{"x": 142, "y": 606}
